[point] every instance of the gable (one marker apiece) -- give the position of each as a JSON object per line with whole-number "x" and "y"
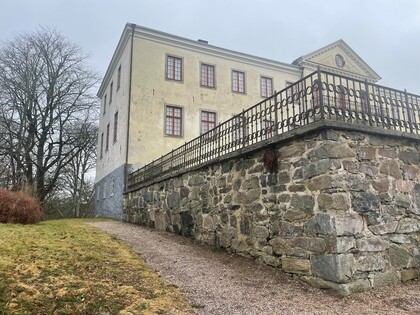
{"x": 338, "y": 58}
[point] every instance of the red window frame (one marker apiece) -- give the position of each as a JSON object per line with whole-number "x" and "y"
{"x": 115, "y": 126}
{"x": 238, "y": 81}
{"x": 341, "y": 97}
{"x": 208, "y": 121}
{"x": 173, "y": 121}
{"x": 174, "y": 68}
{"x": 208, "y": 76}
{"x": 266, "y": 87}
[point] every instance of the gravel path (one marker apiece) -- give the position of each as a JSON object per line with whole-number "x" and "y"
{"x": 217, "y": 282}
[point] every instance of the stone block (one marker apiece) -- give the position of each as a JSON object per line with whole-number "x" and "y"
{"x": 412, "y": 158}
{"x": 399, "y": 256}
{"x": 381, "y": 184}
{"x": 296, "y": 265}
{"x": 332, "y": 150}
{"x": 283, "y": 177}
{"x": 351, "y": 167}
{"x": 251, "y": 183}
{"x": 402, "y": 200}
{"x": 409, "y": 274}
{"x": 385, "y": 278}
{"x": 313, "y": 244}
{"x": 341, "y": 245}
{"x": 173, "y": 199}
{"x": 400, "y": 238}
{"x": 336, "y": 268}
{"x": 392, "y": 168}
{"x": 349, "y": 225}
{"x": 196, "y": 180}
{"x": 416, "y": 199}
{"x": 408, "y": 225}
{"x": 320, "y": 183}
{"x": 364, "y": 202}
{"x": 333, "y": 202}
{"x": 261, "y": 232}
{"x": 367, "y": 153}
{"x": 293, "y": 150}
{"x": 314, "y": 169}
{"x": 410, "y": 172}
{"x": 384, "y": 228}
{"x": 322, "y": 224}
{"x": 303, "y": 203}
{"x": 279, "y": 245}
{"x": 370, "y": 262}
{"x": 368, "y": 169}
{"x": 372, "y": 244}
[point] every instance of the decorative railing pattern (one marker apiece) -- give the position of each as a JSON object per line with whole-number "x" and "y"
{"x": 318, "y": 96}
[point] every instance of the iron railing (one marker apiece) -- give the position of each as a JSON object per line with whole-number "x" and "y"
{"x": 318, "y": 96}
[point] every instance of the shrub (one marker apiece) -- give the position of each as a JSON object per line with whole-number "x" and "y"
{"x": 18, "y": 207}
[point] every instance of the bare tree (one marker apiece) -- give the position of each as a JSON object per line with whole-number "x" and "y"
{"x": 77, "y": 180}
{"x": 46, "y": 97}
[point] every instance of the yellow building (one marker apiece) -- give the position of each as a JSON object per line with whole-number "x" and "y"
{"x": 162, "y": 90}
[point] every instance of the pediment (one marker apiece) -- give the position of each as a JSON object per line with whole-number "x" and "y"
{"x": 338, "y": 58}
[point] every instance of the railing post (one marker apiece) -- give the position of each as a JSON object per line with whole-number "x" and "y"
{"x": 408, "y": 111}
{"x": 244, "y": 128}
{"x": 320, "y": 94}
{"x": 275, "y": 112}
{"x": 367, "y": 102}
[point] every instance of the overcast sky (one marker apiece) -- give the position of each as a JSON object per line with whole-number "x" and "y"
{"x": 385, "y": 33}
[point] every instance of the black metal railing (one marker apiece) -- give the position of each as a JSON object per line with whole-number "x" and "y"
{"x": 318, "y": 96}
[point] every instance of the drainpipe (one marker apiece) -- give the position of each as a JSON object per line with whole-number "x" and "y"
{"x": 133, "y": 27}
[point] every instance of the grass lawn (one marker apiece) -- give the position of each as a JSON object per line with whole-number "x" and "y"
{"x": 69, "y": 267}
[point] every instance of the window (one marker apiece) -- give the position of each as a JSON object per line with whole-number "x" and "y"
{"x": 173, "y": 68}
{"x": 112, "y": 186}
{"x": 341, "y": 97}
{"x": 104, "y": 104}
{"x": 207, "y": 76}
{"x": 119, "y": 78}
{"x": 266, "y": 87}
{"x": 104, "y": 191}
{"x": 102, "y": 145}
{"x": 110, "y": 92}
{"x": 107, "y": 138}
{"x": 365, "y": 101}
{"x": 208, "y": 121}
{"x": 115, "y": 126}
{"x": 267, "y": 128}
{"x": 290, "y": 89}
{"x": 238, "y": 81}
{"x": 98, "y": 192}
{"x": 173, "y": 121}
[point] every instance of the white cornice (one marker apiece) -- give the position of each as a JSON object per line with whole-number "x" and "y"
{"x": 184, "y": 43}
{"x": 196, "y": 46}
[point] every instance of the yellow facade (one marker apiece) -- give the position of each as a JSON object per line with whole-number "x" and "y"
{"x": 138, "y": 81}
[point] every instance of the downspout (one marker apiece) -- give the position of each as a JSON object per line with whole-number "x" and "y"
{"x": 129, "y": 109}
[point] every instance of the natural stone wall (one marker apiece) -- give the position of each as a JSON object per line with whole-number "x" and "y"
{"x": 342, "y": 211}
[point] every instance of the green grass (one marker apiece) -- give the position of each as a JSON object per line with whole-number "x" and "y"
{"x": 69, "y": 267}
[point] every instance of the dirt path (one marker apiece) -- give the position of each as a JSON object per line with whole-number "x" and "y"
{"x": 222, "y": 283}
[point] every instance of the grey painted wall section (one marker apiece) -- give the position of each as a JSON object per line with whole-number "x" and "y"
{"x": 109, "y": 195}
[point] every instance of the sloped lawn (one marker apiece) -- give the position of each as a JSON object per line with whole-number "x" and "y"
{"x": 70, "y": 267}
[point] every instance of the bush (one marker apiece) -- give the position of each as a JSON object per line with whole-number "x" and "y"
{"x": 18, "y": 207}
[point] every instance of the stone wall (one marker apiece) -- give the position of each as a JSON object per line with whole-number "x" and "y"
{"x": 342, "y": 211}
